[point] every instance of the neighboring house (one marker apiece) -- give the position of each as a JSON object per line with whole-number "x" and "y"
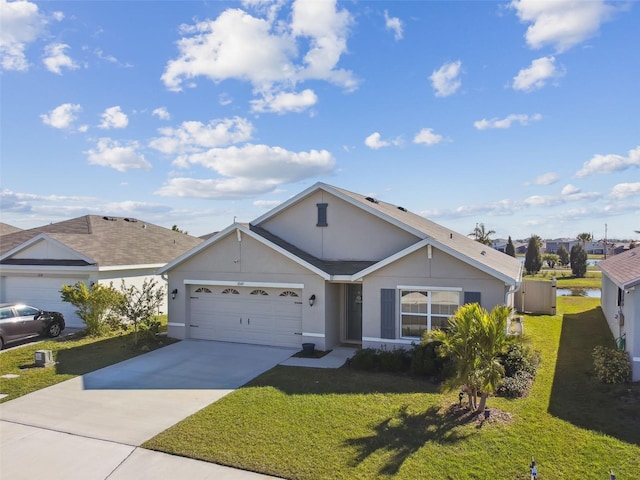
{"x": 552, "y": 246}
{"x": 5, "y": 229}
{"x": 35, "y": 263}
{"x": 621, "y": 301}
{"x": 329, "y": 266}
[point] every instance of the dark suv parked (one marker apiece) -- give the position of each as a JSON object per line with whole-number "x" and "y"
{"x": 18, "y": 321}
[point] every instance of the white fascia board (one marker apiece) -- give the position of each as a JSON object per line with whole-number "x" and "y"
{"x": 284, "y": 205}
{"x": 45, "y": 237}
{"x": 196, "y": 249}
{"x": 146, "y": 266}
{"x": 474, "y": 263}
{"x": 285, "y": 253}
{"x": 398, "y": 341}
{"x": 49, "y": 269}
{"x": 390, "y": 260}
{"x": 240, "y": 283}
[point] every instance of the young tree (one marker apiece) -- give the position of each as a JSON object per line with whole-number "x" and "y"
{"x": 551, "y": 259}
{"x": 578, "y": 260}
{"x": 510, "y": 249}
{"x": 563, "y": 254}
{"x": 481, "y": 235}
{"x": 176, "y": 229}
{"x": 475, "y": 339}
{"x": 95, "y": 305}
{"x": 584, "y": 237}
{"x": 140, "y": 306}
{"x": 533, "y": 259}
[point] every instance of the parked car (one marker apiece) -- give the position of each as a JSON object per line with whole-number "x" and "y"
{"x": 18, "y": 321}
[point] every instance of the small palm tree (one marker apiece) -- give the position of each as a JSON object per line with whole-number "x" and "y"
{"x": 475, "y": 339}
{"x": 481, "y": 234}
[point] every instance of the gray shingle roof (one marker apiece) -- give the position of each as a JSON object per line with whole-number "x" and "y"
{"x": 110, "y": 241}
{"x": 623, "y": 268}
{"x": 5, "y": 229}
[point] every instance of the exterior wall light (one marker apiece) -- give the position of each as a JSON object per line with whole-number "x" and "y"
{"x": 312, "y": 300}
{"x": 174, "y": 293}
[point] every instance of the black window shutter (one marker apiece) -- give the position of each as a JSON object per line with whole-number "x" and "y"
{"x": 388, "y": 313}
{"x": 472, "y": 297}
{"x": 322, "y": 214}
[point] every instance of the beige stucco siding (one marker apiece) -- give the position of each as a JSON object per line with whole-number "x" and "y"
{"x": 418, "y": 270}
{"x": 350, "y": 234}
{"x": 246, "y": 261}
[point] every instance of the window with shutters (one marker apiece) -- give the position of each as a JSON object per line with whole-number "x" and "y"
{"x": 423, "y": 310}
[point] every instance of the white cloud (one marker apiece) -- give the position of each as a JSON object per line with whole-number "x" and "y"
{"x": 561, "y": 23}
{"x": 58, "y": 16}
{"x": 219, "y": 189}
{"x": 375, "y": 142}
{"x": 62, "y": 116}
{"x": 394, "y": 24}
{"x": 56, "y": 58}
{"x": 194, "y": 137}
{"x": 264, "y": 162}
{"x": 162, "y": 113}
{"x": 625, "y": 190}
{"x": 285, "y": 102}
{"x": 114, "y": 117}
{"x": 446, "y": 80}
{"x": 427, "y": 137}
{"x": 110, "y": 153}
{"x": 537, "y": 74}
{"x": 610, "y": 163}
{"x": 546, "y": 179}
{"x": 263, "y": 51}
{"x": 20, "y": 24}
{"x": 506, "y": 122}
{"x": 570, "y": 190}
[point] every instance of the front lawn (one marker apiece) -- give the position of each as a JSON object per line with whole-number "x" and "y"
{"x": 304, "y": 423}
{"x": 74, "y": 355}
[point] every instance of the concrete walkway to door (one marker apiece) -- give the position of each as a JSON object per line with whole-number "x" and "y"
{"x": 90, "y": 427}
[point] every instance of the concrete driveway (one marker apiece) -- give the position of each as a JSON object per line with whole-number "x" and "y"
{"x": 89, "y": 427}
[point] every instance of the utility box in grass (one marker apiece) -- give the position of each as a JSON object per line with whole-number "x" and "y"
{"x": 44, "y": 358}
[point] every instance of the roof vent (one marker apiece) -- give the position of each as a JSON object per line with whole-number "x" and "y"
{"x": 402, "y": 208}
{"x": 110, "y": 219}
{"x": 483, "y": 252}
{"x": 451, "y": 236}
{"x": 371, "y": 199}
{"x": 132, "y": 220}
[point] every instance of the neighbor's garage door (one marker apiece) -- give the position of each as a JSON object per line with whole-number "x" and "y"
{"x": 42, "y": 293}
{"x": 265, "y": 316}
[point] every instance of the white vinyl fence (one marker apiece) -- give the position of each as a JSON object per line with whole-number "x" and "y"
{"x": 538, "y": 297}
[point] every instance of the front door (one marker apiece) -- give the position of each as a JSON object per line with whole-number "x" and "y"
{"x": 354, "y": 313}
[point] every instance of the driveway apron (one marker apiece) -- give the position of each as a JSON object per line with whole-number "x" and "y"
{"x": 109, "y": 412}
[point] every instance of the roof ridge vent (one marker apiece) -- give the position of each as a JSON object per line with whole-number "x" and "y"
{"x": 371, "y": 199}
{"x": 402, "y": 209}
{"x": 110, "y": 219}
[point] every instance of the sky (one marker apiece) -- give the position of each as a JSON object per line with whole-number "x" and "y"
{"x": 522, "y": 115}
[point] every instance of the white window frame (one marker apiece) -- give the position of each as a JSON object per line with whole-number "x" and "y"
{"x": 428, "y": 315}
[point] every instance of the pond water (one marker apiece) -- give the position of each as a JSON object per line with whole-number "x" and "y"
{"x": 579, "y": 292}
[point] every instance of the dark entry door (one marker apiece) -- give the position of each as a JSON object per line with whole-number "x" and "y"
{"x": 354, "y": 312}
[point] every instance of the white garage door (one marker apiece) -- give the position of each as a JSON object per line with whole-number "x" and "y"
{"x": 42, "y": 293}
{"x": 264, "y": 316}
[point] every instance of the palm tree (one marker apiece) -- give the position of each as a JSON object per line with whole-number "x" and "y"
{"x": 481, "y": 235}
{"x": 584, "y": 237}
{"x": 475, "y": 339}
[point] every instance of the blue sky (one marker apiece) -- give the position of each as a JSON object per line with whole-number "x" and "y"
{"x": 521, "y": 115}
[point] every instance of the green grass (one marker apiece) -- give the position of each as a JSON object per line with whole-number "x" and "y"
{"x": 75, "y": 355}
{"x": 342, "y": 424}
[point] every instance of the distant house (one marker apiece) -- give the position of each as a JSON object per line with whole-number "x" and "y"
{"x": 552, "y": 246}
{"x": 330, "y": 266}
{"x": 35, "y": 263}
{"x": 621, "y": 302}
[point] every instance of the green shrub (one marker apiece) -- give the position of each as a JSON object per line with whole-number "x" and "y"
{"x": 520, "y": 358}
{"x": 425, "y": 359}
{"x": 516, "y": 386}
{"x": 397, "y": 360}
{"x": 611, "y": 365}
{"x": 365, "y": 359}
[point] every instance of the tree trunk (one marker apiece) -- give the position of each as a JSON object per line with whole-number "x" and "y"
{"x": 473, "y": 395}
{"x": 483, "y": 402}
